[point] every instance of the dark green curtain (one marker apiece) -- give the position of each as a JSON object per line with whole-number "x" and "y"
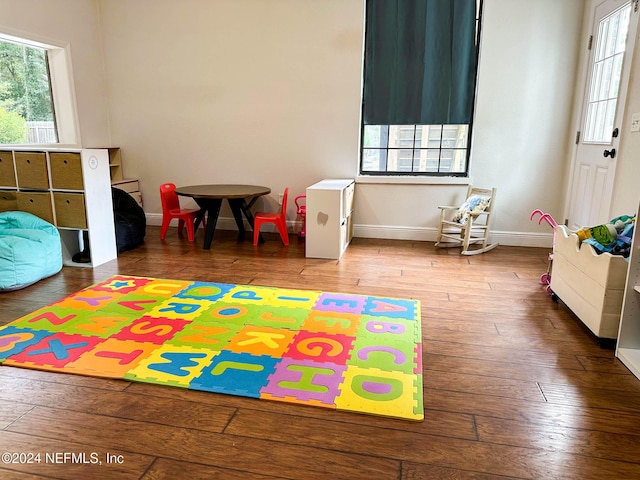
{"x": 420, "y": 62}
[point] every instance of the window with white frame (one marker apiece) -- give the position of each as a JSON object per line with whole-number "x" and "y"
{"x": 26, "y": 106}
{"x": 428, "y": 149}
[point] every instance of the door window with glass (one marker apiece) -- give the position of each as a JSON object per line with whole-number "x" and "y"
{"x": 605, "y": 76}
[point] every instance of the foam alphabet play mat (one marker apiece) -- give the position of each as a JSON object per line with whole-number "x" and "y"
{"x": 342, "y": 351}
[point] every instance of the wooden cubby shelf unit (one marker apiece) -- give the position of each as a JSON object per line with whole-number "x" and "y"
{"x": 70, "y": 188}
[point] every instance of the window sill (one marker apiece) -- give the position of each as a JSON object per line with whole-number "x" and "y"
{"x": 40, "y": 146}
{"x": 413, "y": 180}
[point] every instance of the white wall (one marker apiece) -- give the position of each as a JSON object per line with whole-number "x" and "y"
{"x": 527, "y": 75}
{"x": 268, "y": 92}
{"x": 76, "y": 24}
{"x": 245, "y": 91}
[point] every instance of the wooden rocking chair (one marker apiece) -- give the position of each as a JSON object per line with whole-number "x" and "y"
{"x": 468, "y": 224}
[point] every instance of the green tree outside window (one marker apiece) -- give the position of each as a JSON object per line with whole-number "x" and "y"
{"x": 25, "y": 91}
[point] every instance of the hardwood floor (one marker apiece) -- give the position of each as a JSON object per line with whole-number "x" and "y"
{"x": 514, "y": 387}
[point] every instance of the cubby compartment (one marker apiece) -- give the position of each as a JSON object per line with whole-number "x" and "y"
{"x": 31, "y": 168}
{"x": 7, "y": 172}
{"x": 115, "y": 164}
{"x": 8, "y": 201}
{"x": 37, "y": 203}
{"x": 66, "y": 171}
{"x": 70, "y": 210}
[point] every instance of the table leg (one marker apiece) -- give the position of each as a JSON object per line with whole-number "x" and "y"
{"x": 246, "y": 209}
{"x": 199, "y": 217}
{"x": 239, "y": 206}
{"x": 212, "y": 207}
{"x": 236, "y": 209}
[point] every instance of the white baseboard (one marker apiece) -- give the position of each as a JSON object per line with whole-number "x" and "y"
{"x": 224, "y": 223}
{"x": 394, "y": 232}
{"x": 427, "y": 234}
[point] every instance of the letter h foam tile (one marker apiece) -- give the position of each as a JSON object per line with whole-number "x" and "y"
{"x": 305, "y": 381}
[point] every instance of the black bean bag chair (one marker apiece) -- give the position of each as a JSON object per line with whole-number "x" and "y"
{"x": 131, "y": 223}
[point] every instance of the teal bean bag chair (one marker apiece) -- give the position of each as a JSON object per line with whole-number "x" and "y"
{"x": 30, "y": 250}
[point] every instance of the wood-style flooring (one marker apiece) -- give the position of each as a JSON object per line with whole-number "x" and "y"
{"x": 514, "y": 386}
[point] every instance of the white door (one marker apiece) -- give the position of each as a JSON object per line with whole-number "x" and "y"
{"x": 613, "y": 34}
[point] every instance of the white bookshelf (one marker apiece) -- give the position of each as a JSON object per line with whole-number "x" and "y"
{"x": 628, "y": 345}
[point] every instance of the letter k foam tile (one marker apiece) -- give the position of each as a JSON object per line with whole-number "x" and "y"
{"x": 351, "y": 352}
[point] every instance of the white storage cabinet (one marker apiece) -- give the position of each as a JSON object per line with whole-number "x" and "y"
{"x": 329, "y": 218}
{"x": 591, "y": 285}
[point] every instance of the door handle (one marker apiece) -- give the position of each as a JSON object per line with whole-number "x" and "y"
{"x": 610, "y": 153}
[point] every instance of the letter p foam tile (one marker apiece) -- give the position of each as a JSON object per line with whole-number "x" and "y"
{"x": 350, "y": 352}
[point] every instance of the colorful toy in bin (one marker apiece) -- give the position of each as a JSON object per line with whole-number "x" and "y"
{"x": 604, "y": 234}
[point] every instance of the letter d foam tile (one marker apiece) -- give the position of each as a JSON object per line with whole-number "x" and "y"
{"x": 378, "y": 392}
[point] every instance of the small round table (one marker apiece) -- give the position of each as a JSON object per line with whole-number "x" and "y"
{"x": 209, "y": 198}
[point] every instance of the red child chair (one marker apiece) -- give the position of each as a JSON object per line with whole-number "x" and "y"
{"x": 171, "y": 209}
{"x": 302, "y": 211}
{"x": 279, "y": 219}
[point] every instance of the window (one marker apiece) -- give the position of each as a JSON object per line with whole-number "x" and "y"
{"x": 26, "y": 106}
{"x": 415, "y": 149}
{"x": 419, "y": 83}
{"x": 606, "y": 74}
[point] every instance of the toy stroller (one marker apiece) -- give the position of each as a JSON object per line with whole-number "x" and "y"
{"x": 545, "y": 279}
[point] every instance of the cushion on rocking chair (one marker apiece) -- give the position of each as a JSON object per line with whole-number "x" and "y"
{"x": 473, "y": 204}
